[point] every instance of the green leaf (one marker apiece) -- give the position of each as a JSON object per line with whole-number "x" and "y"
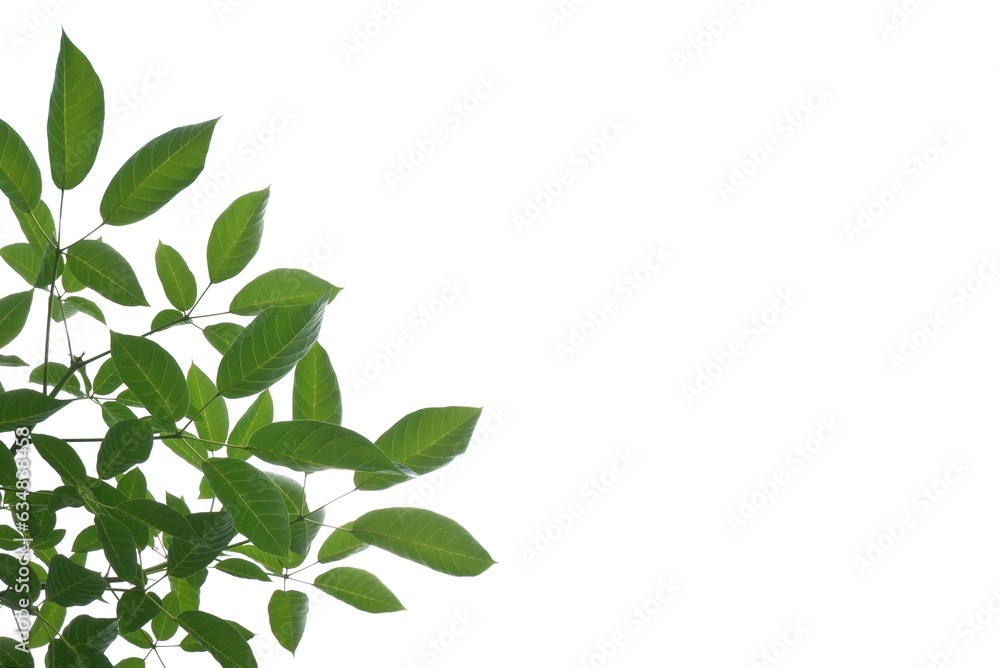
{"x": 254, "y": 501}
{"x": 25, "y": 261}
{"x": 63, "y": 655}
{"x": 178, "y": 282}
{"x": 64, "y": 460}
{"x": 316, "y": 393}
{"x": 236, "y": 235}
{"x": 87, "y": 630}
{"x": 156, "y": 174}
{"x": 105, "y": 501}
{"x": 213, "y": 531}
{"x": 222, "y": 335}
{"x": 38, "y": 225}
{"x": 52, "y": 617}
{"x": 303, "y": 532}
{"x": 73, "y": 305}
{"x": 153, "y": 376}
{"x": 56, "y": 371}
{"x": 212, "y": 421}
{"x": 87, "y": 540}
{"x": 119, "y": 548}
{"x": 76, "y": 117}
{"x": 107, "y": 379}
{"x": 14, "y": 311}
{"x": 114, "y": 412}
{"x": 241, "y": 568}
{"x": 70, "y": 584}
{"x": 136, "y": 608}
{"x": 157, "y": 515}
{"x": 190, "y": 450}
{"x": 131, "y": 662}
{"x": 287, "y": 612}
{"x": 281, "y": 287}
{"x": 358, "y": 588}
{"x": 26, "y": 408}
{"x": 20, "y": 178}
{"x": 421, "y": 442}
{"x": 12, "y": 361}
{"x": 340, "y": 545}
{"x": 269, "y": 348}
{"x": 127, "y": 443}
{"x": 12, "y": 657}
{"x": 70, "y": 282}
{"x": 309, "y": 446}
{"x": 220, "y": 638}
{"x": 166, "y": 319}
{"x": 10, "y": 575}
{"x": 260, "y": 413}
{"x": 424, "y": 537}
{"x": 105, "y": 271}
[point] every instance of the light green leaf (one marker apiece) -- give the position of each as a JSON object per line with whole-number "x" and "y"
{"x": 53, "y": 615}
{"x": 131, "y": 662}
{"x": 105, "y": 271}
{"x": 287, "y": 612}
{"x": 260, "y": 413}
{"x": 156, "y": 174}
{"x": 340, "y": 545}
{"x": 358, "y": 588}
{"x": 281, "y": 287}
{"x": 56, "y": 371}
{"x": 269, "y": 348}
{"x": 222, "y": 335}
{"x": 20, "y": 178}
{"x": 38, "y": 225}
{"x": 107, "y": 379}
{"x": 316, "y": 392}
{"x": 70, "y": 282}
{"x": 309, "y": 446}
{"x": 14, "y": 310}
{"x": 114, "y": 412}
{"x": 73, "y": 305}
{"x": 424, "y": 537}
{"x": 127, "y": 443}
{"x": 236, "y": 235}
{"x": 166, "y": 319}
{"x": 421, "y": 442}
{"x": 303, "y": 532}
{"x": 190, "y": 450}
{"x": 12, "y": 361}
{"x": 76, "y": 117}
{"x": 241, "y": 568}
{"x": 178, "y": 282}
{"x": 70, "y": 585}
{"x": 152, "y": 375}
{"x": 87, "y": 540}
{"x": 213, "y": 422}
{"x": 220, "y": 638}
{"x": 254, "y": 501}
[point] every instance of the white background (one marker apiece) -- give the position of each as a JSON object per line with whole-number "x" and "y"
{"x": 561, "y": 419}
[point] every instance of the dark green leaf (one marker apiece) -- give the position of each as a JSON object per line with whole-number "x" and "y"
{"x": 424, "y": 537}
{"x": 152, "y": 375}
{"x": 136, "y": 608}
{"x": 316, "y": 393}
{"x": 254, "y": 501}
{"x": 12, "y": 657}
{"x": 287, "y": 612}
{"x": 309, "y": 446}
{"x": 157, "y": 515}
{"x": 70, "y": 584}
{"x": 213, "y": 531}
{"x": 178, "y": 282}
{"x": 105, "y": 271}
{"x": 360, "y": 589}
{"x": 127, "y": 443}
{"x": 63, "y": 459}
{"x": 222, "y": 335}
{"x": 20, "y": 178}
{"x": 26, "y": 408}
{"x": 76, "y": 117}
{"x": 87, "y": 630}
{"x": 63, "y": 655}
{"x": 14, "y": 311}
{"x": 281, "y": 287}
{"x": 119, "y": 549}
{"x": 236, "y": 235}
{"x": 56, "y": 371}
{"x": 156, "y": 174}
{"x": 220, "y": 638}
{"x": 87, "y": 540}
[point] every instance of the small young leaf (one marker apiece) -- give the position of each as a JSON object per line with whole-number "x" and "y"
{"x": 76, "y": 117}
{"x": 20, "y": 178}
{"x": 14, "y": 311}
{"x": 424, "y": 537}
{"x": 316, "y": 393}
{"x": 152, "y": 375}
{"x": 127, "y": 443}
{"x": 103, "y": 269}
{"x": 254, "y": 501}
{"x": 281, "y": 287}
{"x": 287, "y": 612}
{"x": 360, "y": 589}
{"x": 156, "y": 174}
{"x": 236, "y": 235}
{"x": 178, "y": 282}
